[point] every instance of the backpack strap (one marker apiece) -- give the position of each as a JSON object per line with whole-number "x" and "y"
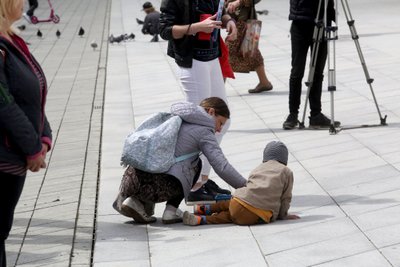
{"x": 186, "y": 156}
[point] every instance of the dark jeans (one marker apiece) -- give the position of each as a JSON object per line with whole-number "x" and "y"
{"x": 33, "y": 4}
{"x": 10, "y": 190}
{"x": 302, "y": 40}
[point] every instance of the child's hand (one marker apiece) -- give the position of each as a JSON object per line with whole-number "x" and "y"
{"x": 292, "y": 217}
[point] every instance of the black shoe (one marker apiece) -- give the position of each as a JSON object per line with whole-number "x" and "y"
{"x": 155, "y": 38}
{"x": 321, "y": 121}
{"x": 200, "y": 196}
{"x": 213, "y": 188}
{"x": 290, "y": 122}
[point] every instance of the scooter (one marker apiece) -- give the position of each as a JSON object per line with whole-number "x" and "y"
{"x": 53, "y": 17}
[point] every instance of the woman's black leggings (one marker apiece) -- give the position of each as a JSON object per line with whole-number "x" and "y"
{"x": 10, "y": 190}
{"x": 33, "y": 4}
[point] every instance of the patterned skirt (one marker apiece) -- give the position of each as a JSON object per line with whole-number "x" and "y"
{"x": 236, "y": 59}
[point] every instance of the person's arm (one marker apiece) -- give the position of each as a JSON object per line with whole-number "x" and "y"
{"x": 169, "y": 16}
{"x": 47, "y": 134}
{"x": 207, "y": 26}
{"x": 146, "y": 25}
{"x": 230, "y": 25}
{"x": 212, "y": 151}
{"x": 286, "y": 197}
{"x": 16, "y": 123}
{"x": 232, "y": 6}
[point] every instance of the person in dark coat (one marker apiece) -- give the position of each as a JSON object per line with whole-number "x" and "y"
{"x": 303, "y": 14}
{"x": 25, "y": 134}
{"x": 151, "y": 21}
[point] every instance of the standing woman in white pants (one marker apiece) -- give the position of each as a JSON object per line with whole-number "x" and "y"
{"x": 193, "y": 33}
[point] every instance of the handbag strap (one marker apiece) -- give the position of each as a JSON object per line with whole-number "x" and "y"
{"x": 253, "y": 14}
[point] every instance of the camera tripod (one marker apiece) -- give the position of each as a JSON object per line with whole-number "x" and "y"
{"x": 324, "y": 31}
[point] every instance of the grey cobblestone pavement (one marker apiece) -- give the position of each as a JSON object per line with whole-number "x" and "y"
{"x": 346, "y": 185}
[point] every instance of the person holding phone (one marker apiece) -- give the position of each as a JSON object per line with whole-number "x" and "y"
{"x": 193, "y": 33}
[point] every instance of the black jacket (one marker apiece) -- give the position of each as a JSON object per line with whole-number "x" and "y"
{"x": 307, "y": 10}
{"x": 23, "y": 124}
{"x": 177, "y": 12}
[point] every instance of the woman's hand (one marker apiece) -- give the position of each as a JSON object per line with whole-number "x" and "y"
{"x": 232, "y": 6}
{"x": 208, "y": 25}
{"x": 45, "y": 148}
{"x": 232, "y": 31}
{"x": 34, "y": 165}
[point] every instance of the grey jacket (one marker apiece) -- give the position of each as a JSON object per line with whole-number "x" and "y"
{"x": 197, "y": 133}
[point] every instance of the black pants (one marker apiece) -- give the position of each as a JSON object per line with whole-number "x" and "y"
{"x": 10, "y": 190}
{"x": 302, "y": 40}
{"x": 33, "y": 4}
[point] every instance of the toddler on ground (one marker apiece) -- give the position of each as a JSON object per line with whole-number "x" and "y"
{"x": 265, "y": 198}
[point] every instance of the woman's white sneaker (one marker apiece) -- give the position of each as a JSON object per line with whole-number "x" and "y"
{"x": 135, "y": 209}
{"x": 172, "y": 215}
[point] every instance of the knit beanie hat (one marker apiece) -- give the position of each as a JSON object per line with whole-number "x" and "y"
{"x": 276, "y": 150}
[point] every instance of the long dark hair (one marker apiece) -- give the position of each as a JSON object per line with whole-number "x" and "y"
{"x": 219, "y": 105}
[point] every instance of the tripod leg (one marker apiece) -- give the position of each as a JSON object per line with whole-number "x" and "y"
{"x": 355, "y": 37}
{"x": 331, "y": 39}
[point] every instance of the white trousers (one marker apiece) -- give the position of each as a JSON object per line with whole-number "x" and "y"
{"x": 201, "y": 81}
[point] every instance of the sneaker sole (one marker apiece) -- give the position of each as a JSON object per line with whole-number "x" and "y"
{"x": 319, "y": 127}
{"x": 172, "y": 221}
{"x": 287, "y": 127}
{"x": 200, "y": 202}
{"x": 125, "y": 209}
{"x": 120, "y": 211}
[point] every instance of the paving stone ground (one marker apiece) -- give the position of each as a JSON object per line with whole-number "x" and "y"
{"x": 346, "y": 187}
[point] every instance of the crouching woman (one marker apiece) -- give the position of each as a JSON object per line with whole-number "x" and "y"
{"x": 139, "y": 190}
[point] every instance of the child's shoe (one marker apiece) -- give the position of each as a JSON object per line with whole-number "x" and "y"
{"x": 202, "y": 209}
{"x": 191, "y": 219}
